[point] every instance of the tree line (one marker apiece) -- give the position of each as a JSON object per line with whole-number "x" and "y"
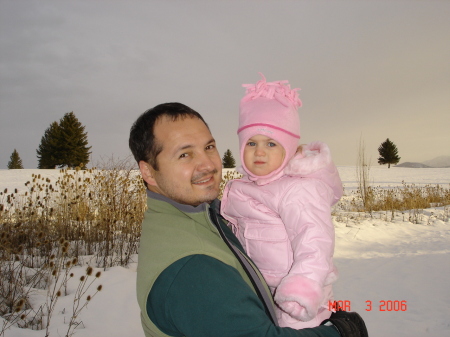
{"x": 63, "y": 145}
{"x": 388, "y": 155}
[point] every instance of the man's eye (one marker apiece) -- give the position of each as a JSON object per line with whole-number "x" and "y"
{"x": 210, "y": 147}
{"x": 184, "y": 155}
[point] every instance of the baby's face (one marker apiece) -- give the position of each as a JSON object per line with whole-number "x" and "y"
{"x": 263, "y": 155}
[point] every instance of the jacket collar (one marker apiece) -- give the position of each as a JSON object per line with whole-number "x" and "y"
{"x": 183, "y": 207}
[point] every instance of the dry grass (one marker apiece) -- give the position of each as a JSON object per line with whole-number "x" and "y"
{"x": 99, "y": 212}
{"x": 411, "y": 198}
{"x": 95, "y": 214}
{"x": 362, "y": 175}
{"x": 230, "y": 175}
{"x": 400, "y": 198}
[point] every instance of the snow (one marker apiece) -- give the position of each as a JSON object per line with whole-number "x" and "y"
{"x": 394, "y": 176}
{"x": 379, "y": 259}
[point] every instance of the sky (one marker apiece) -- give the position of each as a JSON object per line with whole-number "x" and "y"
{"x": 368, "y": 70}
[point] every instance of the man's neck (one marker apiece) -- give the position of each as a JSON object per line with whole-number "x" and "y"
{"x": 182, "y": 207}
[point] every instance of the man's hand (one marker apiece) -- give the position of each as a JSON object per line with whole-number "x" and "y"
{"x": 349, "y": 324}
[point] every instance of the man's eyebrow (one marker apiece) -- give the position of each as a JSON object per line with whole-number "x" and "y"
{"x": 184, "y": 147}
{"x": 188, "y": 146}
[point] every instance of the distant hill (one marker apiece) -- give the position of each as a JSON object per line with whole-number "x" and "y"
{"x": 412, "y": 165}
{"x": 442, "y": 161}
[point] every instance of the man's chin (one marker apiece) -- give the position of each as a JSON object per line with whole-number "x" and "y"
{"x": 210, "y": 197}
{"x": 198, "y": 199}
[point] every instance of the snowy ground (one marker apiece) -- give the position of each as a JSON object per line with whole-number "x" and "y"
{"x": 379, "y": 261}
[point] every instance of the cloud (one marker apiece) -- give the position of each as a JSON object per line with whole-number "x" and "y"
{"x": 374, "y": 68}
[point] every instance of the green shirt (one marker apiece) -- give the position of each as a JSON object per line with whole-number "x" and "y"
{"x": 203, "y": 294}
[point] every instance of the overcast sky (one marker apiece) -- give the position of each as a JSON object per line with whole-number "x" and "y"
{"x": 367, "y": 69}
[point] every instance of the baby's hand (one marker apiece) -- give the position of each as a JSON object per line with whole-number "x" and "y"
{"x": 299, "y": 296}
{"x": 296, "y": 311}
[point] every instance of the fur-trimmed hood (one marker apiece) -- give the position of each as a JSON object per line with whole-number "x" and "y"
{"x": 312, "y": 160}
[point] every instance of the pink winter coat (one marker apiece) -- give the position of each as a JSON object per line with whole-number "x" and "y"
{"x": 286, "y": 228}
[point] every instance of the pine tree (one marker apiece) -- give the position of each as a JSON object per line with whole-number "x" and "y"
{"x": 74, "y": 149}
{"x": 64, "y": 144}
{"x": 15, "y": 161}
{"x": 388, "y": 153}
{"x": 49, "y": 153}
{"x": 228, "y": 160}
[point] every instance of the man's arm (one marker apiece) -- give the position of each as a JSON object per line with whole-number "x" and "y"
{"x": 202, "y": 297}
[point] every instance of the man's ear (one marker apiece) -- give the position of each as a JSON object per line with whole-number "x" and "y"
{"x": 147, "y": 173}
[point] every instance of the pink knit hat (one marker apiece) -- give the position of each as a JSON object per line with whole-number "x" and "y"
{"x": 270, "y": 109}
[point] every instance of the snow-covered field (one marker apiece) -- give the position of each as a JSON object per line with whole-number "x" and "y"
{"x": 393, "y": 264}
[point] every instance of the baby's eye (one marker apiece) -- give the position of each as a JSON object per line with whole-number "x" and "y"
{"x": 251, "y": 144}
{"x": 271, "y": 144}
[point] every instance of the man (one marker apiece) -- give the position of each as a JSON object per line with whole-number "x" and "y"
{"x": 194, "y": 278}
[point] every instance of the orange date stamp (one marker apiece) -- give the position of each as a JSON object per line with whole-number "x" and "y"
{"x": 370, "y": 305}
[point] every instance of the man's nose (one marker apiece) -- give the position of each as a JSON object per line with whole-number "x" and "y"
{"x": 205, "y": 163}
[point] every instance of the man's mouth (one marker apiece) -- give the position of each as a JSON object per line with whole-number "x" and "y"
{"x": 202, "y": 181}
{"x": 204, "y": 178}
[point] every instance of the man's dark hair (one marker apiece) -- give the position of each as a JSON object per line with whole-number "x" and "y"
{"x": 142, "y": 142}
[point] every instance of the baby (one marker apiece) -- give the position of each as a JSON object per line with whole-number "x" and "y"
{"x": 281, "y": 209}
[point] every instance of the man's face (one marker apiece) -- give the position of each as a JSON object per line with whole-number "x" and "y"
{"x": 190, "y": 168}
